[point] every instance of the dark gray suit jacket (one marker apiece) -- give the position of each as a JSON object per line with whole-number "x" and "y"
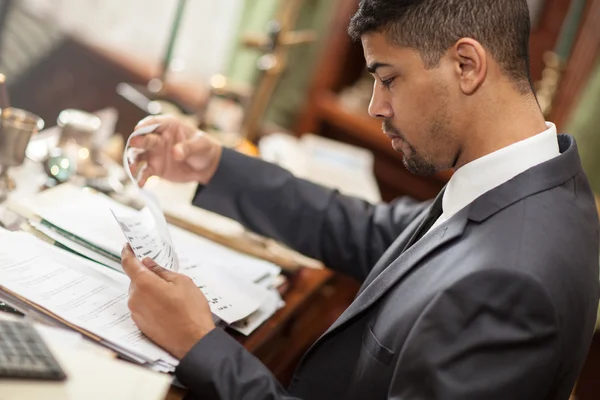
{"x": 499, "y": 302}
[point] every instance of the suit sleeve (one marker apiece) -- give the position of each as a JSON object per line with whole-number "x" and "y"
{"x": 493, "y": 335}
{"x": 218, "y": 368}
{"x": 345, "y": 233}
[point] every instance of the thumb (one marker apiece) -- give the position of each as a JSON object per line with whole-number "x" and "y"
{"x": 163, "y": 273}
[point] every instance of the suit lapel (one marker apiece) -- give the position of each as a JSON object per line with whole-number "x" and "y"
{"x": 402, "y": 265}
{"x": 394, "y": 251}
{"x": 401, "y": 242}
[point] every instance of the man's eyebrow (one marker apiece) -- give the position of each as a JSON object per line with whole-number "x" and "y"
{"x": 372, "y": 68}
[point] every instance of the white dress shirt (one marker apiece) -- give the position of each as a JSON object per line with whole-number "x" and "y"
{"x": 492, "y": 170}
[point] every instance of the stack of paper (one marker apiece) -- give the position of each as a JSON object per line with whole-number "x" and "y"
{"x": 70, "y": 282}
{"x": 82, "y": 221}
{"x": 77, "y": 292}
{"x": 80, "y": 283}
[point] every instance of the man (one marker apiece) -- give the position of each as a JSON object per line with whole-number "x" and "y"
{"x": 489, "y": 292}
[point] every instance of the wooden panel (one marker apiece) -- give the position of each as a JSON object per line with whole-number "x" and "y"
{"x": 545, "y": 36}
{"x": 584, "y": 58}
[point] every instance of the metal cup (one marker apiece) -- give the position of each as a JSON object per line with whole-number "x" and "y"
{"x": 16, "y": 128}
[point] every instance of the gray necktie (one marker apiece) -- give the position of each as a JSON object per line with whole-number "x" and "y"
{"x": 435, "y": 211}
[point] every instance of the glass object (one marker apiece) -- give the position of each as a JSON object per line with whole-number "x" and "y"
{"x": 16, "y": 128}
{"x": 77, "y": 142}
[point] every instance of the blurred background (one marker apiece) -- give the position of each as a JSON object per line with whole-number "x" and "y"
{"x": 278, "y": 76}
{"x": 249, "y": 68}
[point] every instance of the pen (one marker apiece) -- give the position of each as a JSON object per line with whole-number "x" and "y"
{"x": 8, "y": 309}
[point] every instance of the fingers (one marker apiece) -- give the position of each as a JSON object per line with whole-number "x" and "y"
{"x": 149, "y": 142}
{"x": 140, "y": 162}
{"x": 145, "y": 174}
{"x": 186, "y": 148}
{"x": 131, "y": 265}
{"x": 164, "y": 120}
{"x": 164, "y": 273}
{"x": 141, "y": 170}
{"x": 140, "y": 274}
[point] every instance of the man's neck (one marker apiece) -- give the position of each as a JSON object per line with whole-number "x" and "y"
{"x": 506, "y": 126}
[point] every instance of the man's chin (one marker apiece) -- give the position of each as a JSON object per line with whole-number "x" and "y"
{"x": 416, "y": 168}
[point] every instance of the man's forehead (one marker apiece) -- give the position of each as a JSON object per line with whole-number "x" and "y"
{"x": 380, "y": 52}
{"x": 378, "y": 44}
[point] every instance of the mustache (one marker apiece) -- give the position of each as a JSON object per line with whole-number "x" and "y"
{"x": 389, "y": 128}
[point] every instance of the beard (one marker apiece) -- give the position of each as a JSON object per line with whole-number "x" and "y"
{"x": 414, "y": 162}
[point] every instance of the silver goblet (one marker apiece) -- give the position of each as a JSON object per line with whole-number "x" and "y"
{"x": 16, "y": 128}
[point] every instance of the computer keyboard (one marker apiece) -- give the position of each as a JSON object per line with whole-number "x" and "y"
{"x": 24, "y": 355}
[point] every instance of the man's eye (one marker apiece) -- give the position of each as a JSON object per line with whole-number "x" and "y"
{"x": 387, "y": 82}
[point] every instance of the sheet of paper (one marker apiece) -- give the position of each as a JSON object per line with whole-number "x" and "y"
{"x": 194, "y": 250}
{"x": 146, "y": 241}
{"x": 269, "y": 306}
{"x": 84, "y": 214}
{"x": 216, "y": 268}
{"x": 60, "y": 282}
{"x": 148, "y": 232}
{"x": 76, "y": 247}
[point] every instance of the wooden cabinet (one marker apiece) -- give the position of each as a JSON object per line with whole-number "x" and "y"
{"x": 342, "y": 64}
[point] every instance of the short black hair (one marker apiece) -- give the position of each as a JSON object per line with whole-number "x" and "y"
{"x": 433, "y": 26}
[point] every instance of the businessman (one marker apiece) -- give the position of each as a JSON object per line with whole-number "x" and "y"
{"x": 488, "y": 292}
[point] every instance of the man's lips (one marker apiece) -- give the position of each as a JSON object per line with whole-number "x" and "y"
{"x": 392, "y": 136}
{"x": 397, "y": 142}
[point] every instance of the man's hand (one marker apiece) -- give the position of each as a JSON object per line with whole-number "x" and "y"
{"x": 175, "y": 151}
{"x": 166, "y": 306}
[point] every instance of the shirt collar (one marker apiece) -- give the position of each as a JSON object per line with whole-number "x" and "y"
{"x": 492, "y": 170}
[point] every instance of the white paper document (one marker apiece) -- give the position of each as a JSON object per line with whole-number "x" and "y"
{"x": 146, "y": 241}
{"x": 77, "y": 247}
{"x": 269, "y": 306}
{"x": 67, "y": 286}
{"x": 226, "y": 277}
{"x": 147, "y": 232}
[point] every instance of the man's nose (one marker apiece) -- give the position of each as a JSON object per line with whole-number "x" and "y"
{"x": 379, "y": 107}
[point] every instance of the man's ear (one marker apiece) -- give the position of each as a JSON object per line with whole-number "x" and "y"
{"x": 471, "y": 64}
